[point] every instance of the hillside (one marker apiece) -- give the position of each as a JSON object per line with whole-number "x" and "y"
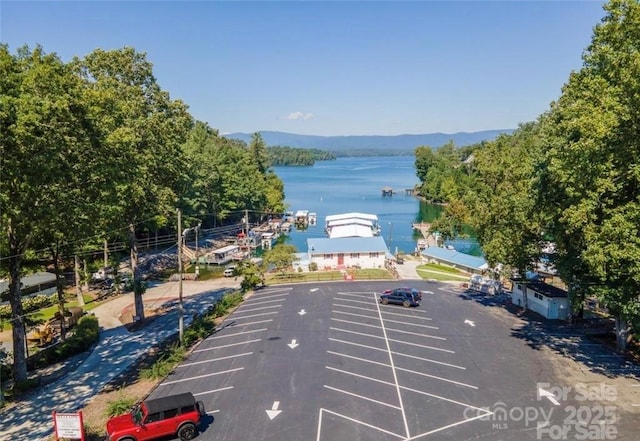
{"x": 372, "y": 142}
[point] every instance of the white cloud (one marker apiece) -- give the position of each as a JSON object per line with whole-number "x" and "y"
{"x": 298, "y": 115}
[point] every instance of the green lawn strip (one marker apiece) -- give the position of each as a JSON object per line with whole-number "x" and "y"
{"x": 319, "y": 276}
{"x": 439, "y": 268}
{"x": 431, "y": 274}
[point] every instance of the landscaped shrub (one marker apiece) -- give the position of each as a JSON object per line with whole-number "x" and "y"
{"x": 85, "y": 335}
{"x": 121, "y": 405}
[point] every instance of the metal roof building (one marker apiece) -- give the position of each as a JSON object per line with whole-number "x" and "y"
{"x": 455, "y": 258}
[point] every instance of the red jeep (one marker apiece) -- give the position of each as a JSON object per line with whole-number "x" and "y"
{"x": 159, "y": 417}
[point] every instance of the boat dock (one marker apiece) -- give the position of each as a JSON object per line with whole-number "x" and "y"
{"x": 425, "y": 231}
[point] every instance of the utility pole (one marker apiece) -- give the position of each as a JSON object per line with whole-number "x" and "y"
{"x": 180, "y": 305}
{"x": 197, "y": 257}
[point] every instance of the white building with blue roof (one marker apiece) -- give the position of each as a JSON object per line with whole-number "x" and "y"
{"x": 456, "y": 259}
{"x": 344, "y": 252}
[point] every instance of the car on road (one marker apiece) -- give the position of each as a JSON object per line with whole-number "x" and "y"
{"x": 229, "y": 271}
{"x": 417, "y": 294}
{"x": 399, "y": 296}
{"x": 174, "y": 415}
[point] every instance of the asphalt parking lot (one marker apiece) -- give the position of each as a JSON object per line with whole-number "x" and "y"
{"x": 328, "y": 362}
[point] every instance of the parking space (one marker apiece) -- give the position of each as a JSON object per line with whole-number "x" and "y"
{"x": 329, "y": 362}
{"x": 390, "y": 360}
{"x": 217, "y": 364}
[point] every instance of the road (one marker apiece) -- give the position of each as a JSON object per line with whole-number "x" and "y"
{"x": 328, "y": 362}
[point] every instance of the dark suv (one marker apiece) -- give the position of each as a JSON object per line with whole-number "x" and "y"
{"x": 401, "y": 296}
{"x": 417, "y": 294}
{"x": 157, "y": 418}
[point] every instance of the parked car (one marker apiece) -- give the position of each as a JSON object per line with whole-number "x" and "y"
{"x": 175, "y": 415}
{"x": 229, "y": 271}
{"x": 400, "y": 296}
{"x": 416, "y": 293}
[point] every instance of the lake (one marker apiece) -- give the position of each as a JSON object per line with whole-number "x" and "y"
{"x": 355, "y": 184}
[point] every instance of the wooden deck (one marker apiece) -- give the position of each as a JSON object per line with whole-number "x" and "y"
{"x": 425, "y": 232}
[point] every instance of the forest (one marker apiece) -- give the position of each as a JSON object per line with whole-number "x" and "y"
{"x": 284, "y": 155}
{"x": 571, "y": 177}
{"x": 94, "y": 150}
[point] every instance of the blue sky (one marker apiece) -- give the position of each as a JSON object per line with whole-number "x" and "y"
{"x": 333, "y": 67}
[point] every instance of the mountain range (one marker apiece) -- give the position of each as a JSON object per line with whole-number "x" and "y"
{"x": 371, "y": 142}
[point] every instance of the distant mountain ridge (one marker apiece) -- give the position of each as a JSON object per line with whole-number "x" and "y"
{"x": 399, "y": 142}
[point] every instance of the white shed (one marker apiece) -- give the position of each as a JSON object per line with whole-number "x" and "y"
{"x": 547, "y": 300}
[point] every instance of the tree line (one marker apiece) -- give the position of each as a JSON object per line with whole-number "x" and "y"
{"x": 94, "y": 150}
{"x": 571, "y": 177}
{"x": 285, "y": 155}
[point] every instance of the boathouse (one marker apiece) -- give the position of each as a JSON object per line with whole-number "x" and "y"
{"x": 456, "y": 259}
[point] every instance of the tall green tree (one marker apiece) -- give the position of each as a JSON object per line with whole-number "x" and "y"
{"x": 503, "y": 206}
{"x": 142, "y": 130}
{"x": 592, "y": 165}
{"x": 44, "y": 126}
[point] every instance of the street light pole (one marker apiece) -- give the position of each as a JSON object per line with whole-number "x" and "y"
{"x": 180, "y": 305}
{"x": 390, "y": 234}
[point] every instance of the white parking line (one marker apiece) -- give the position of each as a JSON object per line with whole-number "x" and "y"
{"x": 270, "y": 295}
{"x": 213, "y": 391}
{"x": 262, "y": 302}
{"x": 228, "y": 346}
{"x": 259, "y": 308}
{"x": 356, "y": 323}
{"x": 240, "y": 333}
{"x": 353, "y": 420}
{"x": 429, "y": 360}
{"x": 405, "y": 315}
{"x": 356, "y": 344}
{"x": 362, "y": 397}
{"x": 437, "y": 378}
{"x": 234, "y": 317}
{"x": 355, "y": 315}
{"x": 445, "y": 399}
{"x": 353, "y": 374}
{"x": 351, "y": 301}
{"x": 395, "y": 375}
{"x": 435, "y": 337}
{"x": 411, "y": 324}
{"x": 356, "y": 293}
{"x": 213, "y": 374}
{"x": 340, "y": 354}
{"x": 215, "y": 359}
{"x": 433, "y": 348}
{"x": 391, "y": 339}
{"x": 359, "y": 308}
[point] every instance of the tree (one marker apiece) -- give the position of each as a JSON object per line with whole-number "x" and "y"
{"x": 592, "y": 165}
{"x": 43, "y": 126}
{"x": 506, "y": 217}
{"x": 143, "y": 131}
{"x": 280, "y": 257}
{"x": 258, "y": 149}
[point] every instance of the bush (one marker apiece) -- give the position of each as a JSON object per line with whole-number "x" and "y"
{"x": 85, "y": 336}
{"x": 120, "y": 405}
{"x": 313, "y": 266}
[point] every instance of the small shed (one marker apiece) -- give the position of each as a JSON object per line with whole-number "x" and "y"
{"x": 547, "y": 300}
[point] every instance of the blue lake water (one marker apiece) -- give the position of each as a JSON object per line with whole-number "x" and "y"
{"x": 355, "y": 184}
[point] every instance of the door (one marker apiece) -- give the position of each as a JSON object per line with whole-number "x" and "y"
{"x": 340, "y": 259}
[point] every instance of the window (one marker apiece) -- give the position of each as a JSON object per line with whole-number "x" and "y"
{"x": 170, "y": 413}
{"x": 355, "y": 255}
{"x": 538, "y": 296}
{"x": 328, "y": 256}
{"x": 152, "y": 418}
{"x": 187, "y": 409}
{"x": 374, "y": 255}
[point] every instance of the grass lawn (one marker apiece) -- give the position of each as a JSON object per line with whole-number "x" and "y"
{"x": 441, "y": 272}
{"x": 318, "y": 276}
